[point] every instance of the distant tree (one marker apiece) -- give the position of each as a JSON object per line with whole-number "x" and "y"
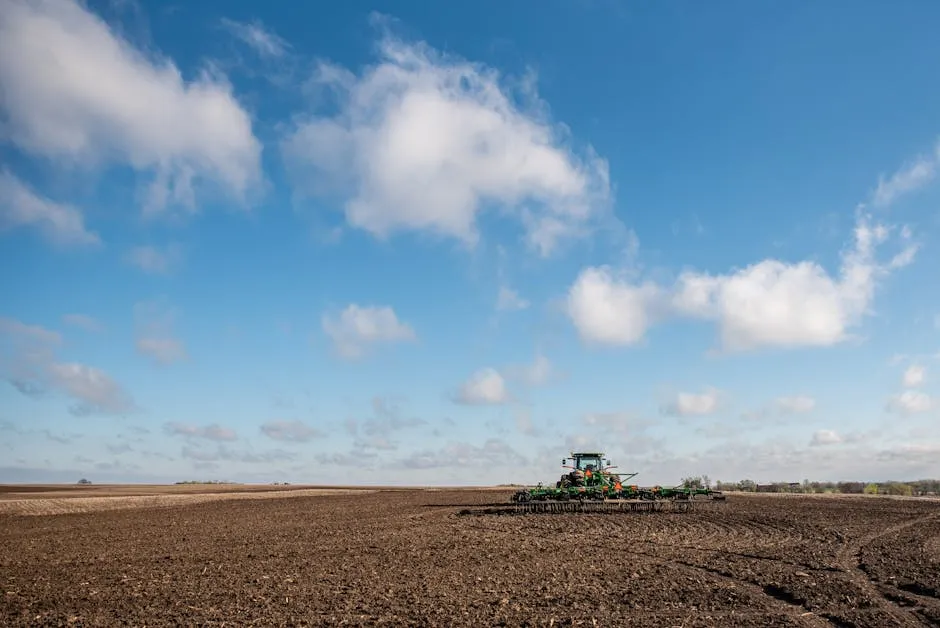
{"x": 897, "y": 488}
{"x": 851, "y": 487}
{"x": 871, "y": 489}
{"x": 84, "y": 481}
{"x": 691, "y": 482}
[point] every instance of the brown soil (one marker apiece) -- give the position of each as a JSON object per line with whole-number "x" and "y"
{"x": 408, "y": 558}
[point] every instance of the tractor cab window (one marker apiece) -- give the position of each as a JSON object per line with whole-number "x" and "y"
{"x": 589, "y": 464}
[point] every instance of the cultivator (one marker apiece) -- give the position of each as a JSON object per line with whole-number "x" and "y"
{"x": 591, "y": 486}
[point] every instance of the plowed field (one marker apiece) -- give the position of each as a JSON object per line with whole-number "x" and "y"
{"x": 408, "y": 558}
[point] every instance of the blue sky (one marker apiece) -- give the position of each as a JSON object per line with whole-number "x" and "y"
{"x": 404, "y": 243}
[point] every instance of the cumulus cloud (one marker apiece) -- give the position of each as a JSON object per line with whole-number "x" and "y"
{"x": 73, "y": 89}
{"x": 773, "y": 303}
{"x": 154, "y": 330}
{"x": 207, "y": 432}
{"x": 425, "y": 141}
{"x": 609, "y": 310}
{"x": 693, "y": 404}
{"x": 263, "y": 41}
{"x": 155, "y": 260}
{"x": 910, "y": 402}
{"x": 768, "y": 304}
{"x": 357, "y": 328}
{"x": 20, "y": 206}
{"x": 30, "y": 365}
{"x": 914, "y": 376}
{"x": 484, "y": 387}
{"x": 291, "y": 431}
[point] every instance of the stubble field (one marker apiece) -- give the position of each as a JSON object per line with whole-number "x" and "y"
{"x": 407, "y": 557}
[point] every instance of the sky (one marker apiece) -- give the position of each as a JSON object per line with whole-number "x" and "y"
{"x": 410, "y": 243}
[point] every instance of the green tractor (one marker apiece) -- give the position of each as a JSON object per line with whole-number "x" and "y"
{"x": 590, "y": 479}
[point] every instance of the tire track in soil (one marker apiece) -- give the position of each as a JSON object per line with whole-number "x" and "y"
{"x": 784, "y": 603}
{"x": 849, "y": 558}
{"x": 777, "y": 600}
{"x": 785, "y": 607}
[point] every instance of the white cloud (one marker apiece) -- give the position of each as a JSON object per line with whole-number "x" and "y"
{"x": 608, "y": 310}
{"x": 509, "y": 299}
{"x": 94, "y": 389}
{"x": 208, "y": 432}
{"x": 425, "y": 141}
{"x": 693, "y": 404}
{"x": 359, "y": 327}
{"x": 909, "y": 178}
{"x": 293, "y": 431}
{"x": 154, "y": 330}
{"x": 910, "y": 402}
{"x": 264, "y": 42}
{"x": 58, "y": 223}
{"x": 156, "y": 260}
{"x": 73, "y": 89}
{"x": 485, "y": 387}
{"x": 768, "y": 304}
{"x": 30, "y": 365}
{"x": 914, "y": 376}
{"x": 773, "y": 303}
{"x": 825, "y": 437}
{"x": 795, "y": 405}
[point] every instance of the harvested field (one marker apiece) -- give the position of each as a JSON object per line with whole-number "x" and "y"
{"x": 408, "y": 558}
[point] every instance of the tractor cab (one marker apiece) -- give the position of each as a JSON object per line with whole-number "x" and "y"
{"x": 587, "y": 468}
{"x": 589, "y": 461}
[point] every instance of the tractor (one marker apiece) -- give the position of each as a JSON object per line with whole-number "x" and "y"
{"x": 591, "y": 485}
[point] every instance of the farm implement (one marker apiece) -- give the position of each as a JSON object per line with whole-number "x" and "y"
{"x": 590, "y": 485}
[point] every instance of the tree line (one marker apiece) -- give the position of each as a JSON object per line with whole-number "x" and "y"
{"x": 906, "y": 488}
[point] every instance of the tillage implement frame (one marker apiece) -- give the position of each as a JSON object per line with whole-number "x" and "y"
{"x": 591, "y": 485}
